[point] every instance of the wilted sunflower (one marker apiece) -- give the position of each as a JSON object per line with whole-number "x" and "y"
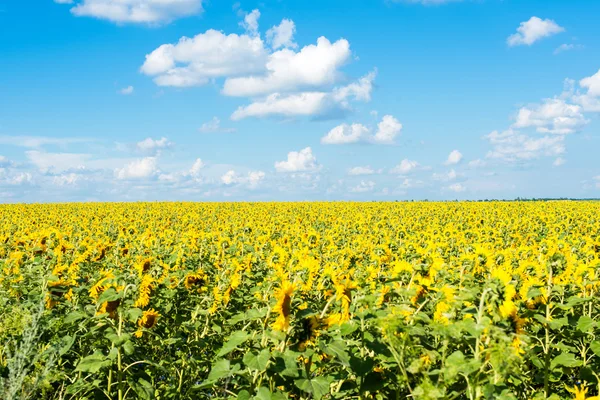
{"x": 147, "y": 321}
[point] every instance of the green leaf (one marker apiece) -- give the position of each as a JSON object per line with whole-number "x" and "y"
{"x": 565, "y": 360}
{"x": 92, "y": 363}
{"x": 263, "y": 394}
{"x": 109, "y": 294}
{"x": 318, "y": 386}
{"x": 454, "y": 363}
{"x": 338, "y": 349}
{"x": 259, "y": 361}
{"x": 234, "y": 341}
{"x": 243, "y": 395}
{"x": 595, "y": 346}
{"x": 66, "y": 342}
{"x": 128, "y": 347}
{"x": 221, "y": 369}
{"x": 117, "y": 340}
{"x": 141, "y": 387}
{"x": 74, "y": 316}
{"x": 585, "y": 324}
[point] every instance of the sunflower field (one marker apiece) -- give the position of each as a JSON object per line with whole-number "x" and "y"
{"x": 420, "y": 300}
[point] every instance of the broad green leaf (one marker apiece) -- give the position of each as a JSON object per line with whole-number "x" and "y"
{"x": 220, "y": 369}
{"x": 234, "y": 341}
{"x": 259, "y": 361}
{"x": 93, "y": 363}
{"x": 595, "y": 346}
{"x": 318, "y": 386}
{"x": 585, "y": 324}
{"x": 338, "y": 349}
{"x": 565, "y": 360}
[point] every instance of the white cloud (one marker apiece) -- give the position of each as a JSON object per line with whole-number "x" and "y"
{"x": 559, "y": 161}
{"x": 590, "y": 101}
{"x": 4, "y": 162}
{"x": 302, "y": 104}
{"x": 298, "y": 161}
{"x": 35, "y": 142}
{"x": 343, "y": 134}
{"x": 533, "y": 30}
{"x": 361, "y": 171}
{"x": 63, "y": 1}
{"x": 138, "y": 169}
{"x": 445, "y": 177}
{"x": 194, "y": 61}
{"x": 150, "y": 145}
{"x": 406, "y": 166}
{"x": 363, "y": 187}
{"x": 512, "y": 146}
{"x": 282, "y": 35}
{"x": 552, "y": 116}
{"x": 137, "y": 11}
{"x": 196, "y": 168}
{"x": 454, "y": 157}
{"x": 387, "y": 130}
{"x": 56, "y": 162}
{"x": 250, "y": 22}
{"x": 312, "y": 67}
{"x": 127, "y": 90}
{"x": 307, "y": 103}
{"x": 21, "y": 178}
{"x": 478, "y": 163}
{"x": 592, "y": 84}
{"x": 214, "y": 126}
{"x": 566, "y": 47}
{"x": 69, "y": 179}
{"x": 252, "y": 179}
{"x": 457, "y": 187}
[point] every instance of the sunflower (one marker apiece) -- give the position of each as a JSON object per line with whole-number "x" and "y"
{"x": 196, "y": 280}
{"x": 145, "y": 288}
{"x": 147, "y": 321}
{"x": 283, "y": 306}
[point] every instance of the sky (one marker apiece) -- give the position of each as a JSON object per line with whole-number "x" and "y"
{"x": 292, "y": 100}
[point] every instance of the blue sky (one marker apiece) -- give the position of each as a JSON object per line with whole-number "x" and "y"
{"x": 115, "y": 100}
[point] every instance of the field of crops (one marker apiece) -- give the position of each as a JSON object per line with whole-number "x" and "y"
{"x": 300, "y": 300}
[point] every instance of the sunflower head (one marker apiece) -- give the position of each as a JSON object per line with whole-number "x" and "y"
{"x": 148, "y": 319}
{"x": 192, "y": 281}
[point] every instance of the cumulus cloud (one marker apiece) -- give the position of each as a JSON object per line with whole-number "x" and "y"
{"x": 252, "y": 179}
{"x": 533, "y": 30}
{"x": 387, "y": 130}
{"x": 356, "y": 171}
{"x": 194, "y": 61}
{"x": 56, "y": 162}
{"x": 298, "y": 161}
{"x": 406, "y": 166}
{"x": 286, "y": 70}
{"x": 363, "y": 187}
{"x": 214, "y": 126}
{"x": 566, "y": 47}
{"x": 552, "y": 116}
{"x": 590, "y": 99}
{"x": 279, "y": 80}
{"x": 136, "y": 11}
{"x": 138, "y": 169}
{"x": 250, "y": 22}
{"x": 282, "y": 35}
{"x": 344, "y": 134}
{"x": 559, "y": 161}
{"x": 153, "y": 146}
{"x": 454, "y": 157}
{"x": 478, "y": 163}
{"x": 126, "y": 90}
{"x": 446, "y": 176}
{"x": 456, "y": 187}
{"x": 513, "y": 146}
